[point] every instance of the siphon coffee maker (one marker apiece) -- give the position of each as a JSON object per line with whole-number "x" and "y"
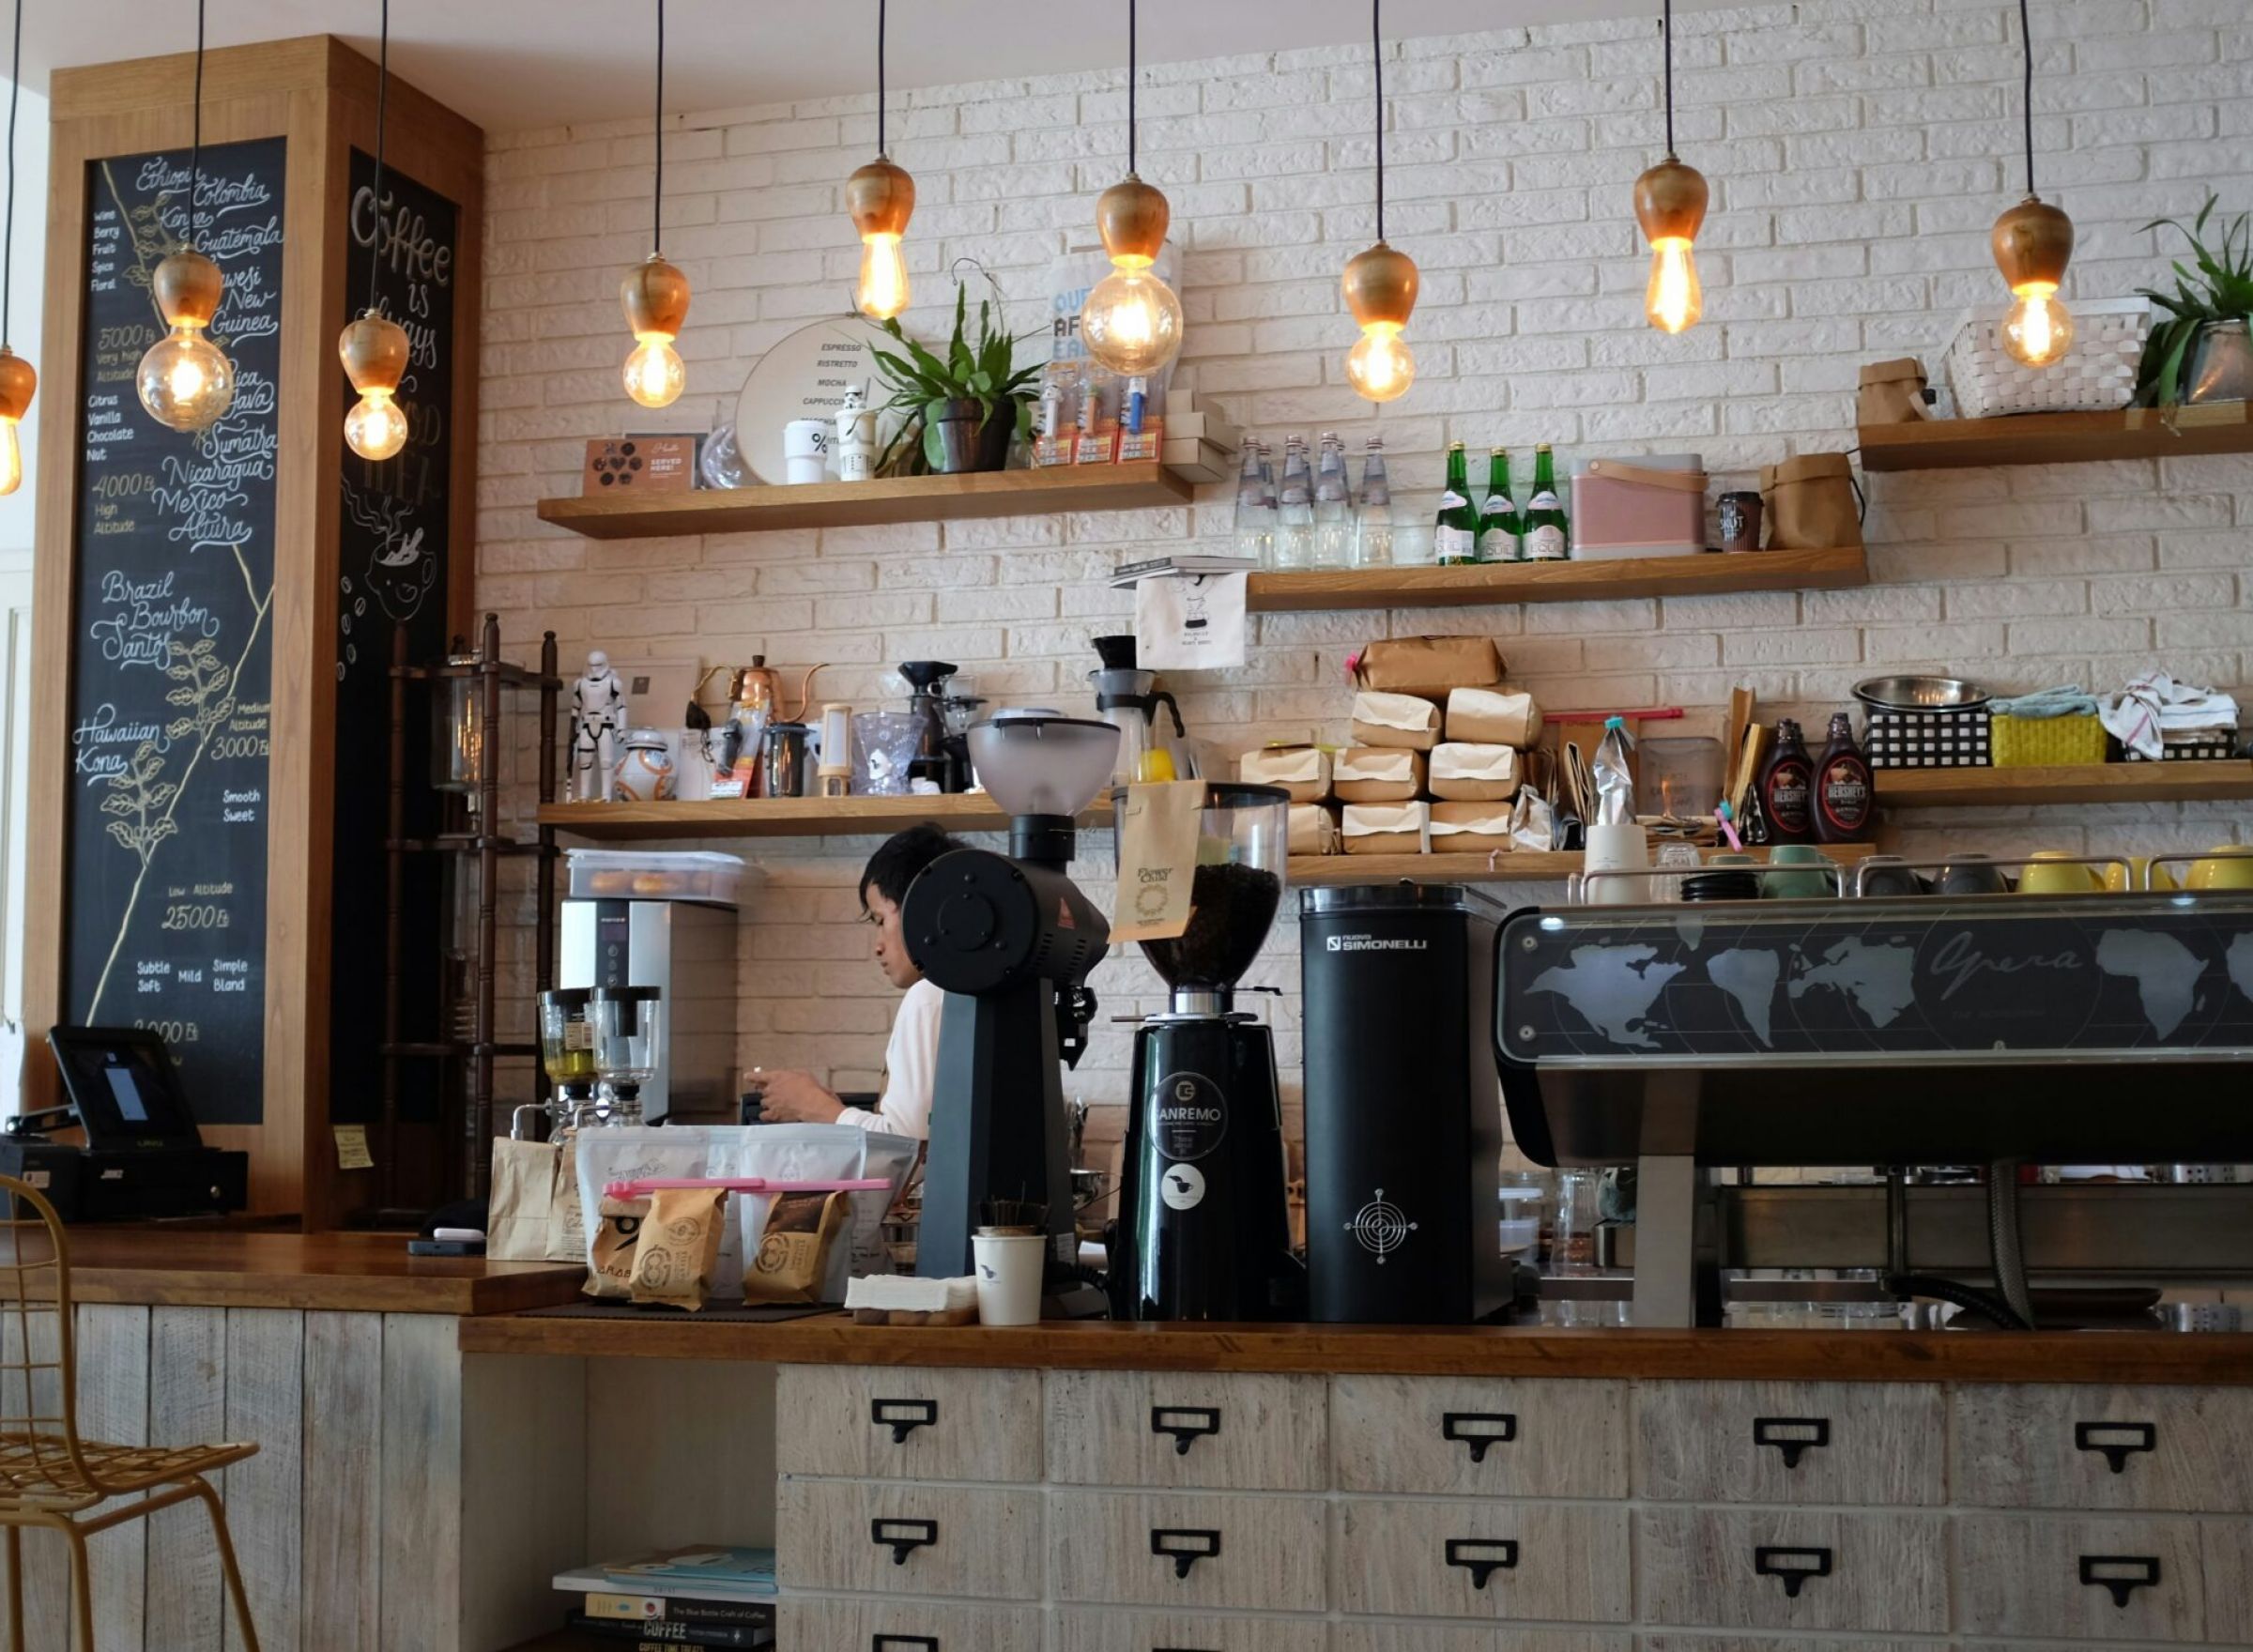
{"x": 628, "y": 1034}
{"x": 1129, "y": 699}
{"x": 1204, "y": 1229}
{"x": 567, "y": 1052}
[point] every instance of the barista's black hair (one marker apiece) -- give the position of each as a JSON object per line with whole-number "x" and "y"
{"x": 902, "y": 860}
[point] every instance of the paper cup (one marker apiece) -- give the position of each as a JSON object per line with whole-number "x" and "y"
{"x": 1009, "y": 1268}
{"x": 1621, "y": 846}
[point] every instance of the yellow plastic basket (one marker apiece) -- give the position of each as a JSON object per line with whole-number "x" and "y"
{"x": 2037, "y": 743}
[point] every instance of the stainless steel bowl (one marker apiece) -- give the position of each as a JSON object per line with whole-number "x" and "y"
{"x": 1921, "y": 693}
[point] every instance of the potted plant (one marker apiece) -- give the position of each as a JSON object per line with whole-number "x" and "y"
{"x": 2201, "y": 352}
{"x": 957, "y": 411}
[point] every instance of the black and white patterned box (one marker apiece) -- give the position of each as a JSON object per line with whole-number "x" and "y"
{"x": 1896, "y": 739}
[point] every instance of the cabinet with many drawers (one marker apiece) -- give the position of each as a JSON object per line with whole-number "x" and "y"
{"x": 924, "y": 1510}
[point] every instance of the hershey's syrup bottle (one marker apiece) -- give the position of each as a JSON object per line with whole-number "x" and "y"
{"x": 1788, "y": 788}
{"x": 1843, "y": 792}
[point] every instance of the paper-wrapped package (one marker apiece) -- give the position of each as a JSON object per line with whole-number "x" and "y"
{"x": 1429, "y": 666}
{"x": 1314, "y": 830}
{"x": 1491, "y": 716}
{"x": 1387, "y": 829}
{"x": 1470, "y": 828}
{"x": 1303, "y": 771}
{"x": 1395, "y": 719}
{"x": 1467, "y": 773}
{"x": 1377, "y": 774}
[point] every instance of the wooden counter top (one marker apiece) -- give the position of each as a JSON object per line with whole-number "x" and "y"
{"x": 366, "y": 1273}
{"x": 1862, "y": 1356}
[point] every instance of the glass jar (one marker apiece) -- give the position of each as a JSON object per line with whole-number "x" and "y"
{"x": 566, "y": 1035}
{"x": 457, "y": 733}
{"x": 628, "y": 1032}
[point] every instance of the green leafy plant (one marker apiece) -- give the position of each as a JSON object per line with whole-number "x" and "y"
{"x": 983, "y": 368}
{"x": 2221, "y": 289}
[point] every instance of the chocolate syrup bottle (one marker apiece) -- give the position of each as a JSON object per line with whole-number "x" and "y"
{"x": 1788, "y": 788}
{"x": 1843, "y": 792}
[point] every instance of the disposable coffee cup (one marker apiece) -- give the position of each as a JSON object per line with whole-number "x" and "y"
{"x": 1618, "y": 846}
{"x": 1009, "y": 1267}
{"x": 806, "y": 450}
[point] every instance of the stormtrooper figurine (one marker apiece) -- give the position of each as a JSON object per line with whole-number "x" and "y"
{"x": 598, "y": 724}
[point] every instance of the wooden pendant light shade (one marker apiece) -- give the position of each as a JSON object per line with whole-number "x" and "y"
{"x": 17, "y": 382}
{"x": 187, "y": 286}
{"x": 2034, "y": 244}
{"x": 1132, "y": 217}
{"x": 374, "y": 350}
{"x": 1381, "y": 285}
{"x": 881, "y": 197}
{"x": 654, "y": 295}
{"x": 1670, "y": 201}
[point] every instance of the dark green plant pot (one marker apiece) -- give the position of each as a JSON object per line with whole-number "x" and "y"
{"x": 959, "y": 436}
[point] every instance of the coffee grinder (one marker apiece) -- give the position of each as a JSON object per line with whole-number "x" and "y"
{"x": 1010, "y": 940}
{"x": 1205, "y": 1228}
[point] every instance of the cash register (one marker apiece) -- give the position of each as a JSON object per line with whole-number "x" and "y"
{"x": 143, "y": 1156}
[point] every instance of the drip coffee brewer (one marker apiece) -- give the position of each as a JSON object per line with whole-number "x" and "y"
{"x": 927, "y": 682}
{"x": 1129, "y": 699}
{"x": 1205, "y": 1230}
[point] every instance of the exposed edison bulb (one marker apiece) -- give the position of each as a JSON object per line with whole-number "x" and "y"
{"x": 654, "y": 375}
{"x": 1674, "y": 300}
{"x": 11, "y": 458}
{"x": 1381, "y": 367}
{"x": 1131, "y": 322}
{"x": 375, "y": 428}
{"x": 2038, "y": 329}
{"x": 185, "y": 380}
{"x": 883, "y": 292}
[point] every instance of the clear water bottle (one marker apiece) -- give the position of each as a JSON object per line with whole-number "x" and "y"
{"x": 1333, "y": 506}
{"x": 1255, "y": 510}
{"x": 1372, "y": 515}
{"x": 1295, "y": 508}
{"x": 721, "y": 463}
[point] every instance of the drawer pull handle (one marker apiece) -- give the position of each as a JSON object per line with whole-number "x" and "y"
{"x": 1791, "y": 1567}
{"x": 2122, "y": 1575}
{"x": 881, "y": 1643}
{"x": 1484, "y": 1556}
{"x": 1791, "y": 1435}
{"x": 1187, "y": 1424}
{"x": 903, "y": 1537}
{"x": 2117, "y": 1441}
{"x": 903, "y": 1417}
{"x": 1185, "y": 1546}
{"x": 1478, "y": 1429}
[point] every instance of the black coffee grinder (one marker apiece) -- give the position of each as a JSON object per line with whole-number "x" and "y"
{"x": 1010, "y": 940}
{"x": 1205, "y": 1230}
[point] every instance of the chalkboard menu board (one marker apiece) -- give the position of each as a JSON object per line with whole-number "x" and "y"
{"x": 172, "y": 634}
{"x": 392, "y": 575}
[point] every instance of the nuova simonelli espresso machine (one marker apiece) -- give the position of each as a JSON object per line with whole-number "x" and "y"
{"x": 1203, "y": 1230}
{"x": 1010, "y": 940}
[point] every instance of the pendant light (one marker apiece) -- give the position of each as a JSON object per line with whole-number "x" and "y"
{"x": 18, "y": 381}
{"x": 1131, "y": 322}
{"x": 2033, "y": 243}
{"x": 1670, "y": 205}
{"x": 1380, "y": 284}
{"x": 185, "y": 380}
{"x": 655, "y": 294}
{"x": 375, "y": 348}
{"x": 881, "y": 198}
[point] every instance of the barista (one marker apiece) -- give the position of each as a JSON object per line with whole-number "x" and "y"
{"x": 912, "y": 1058}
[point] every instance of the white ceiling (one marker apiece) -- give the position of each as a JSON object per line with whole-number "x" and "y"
{"x": 510, "y": 64}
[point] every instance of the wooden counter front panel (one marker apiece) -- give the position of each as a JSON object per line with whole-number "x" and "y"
{"x": 2054, "y": 1446}
{"x": 1885, "y": 1572}
{"x": 816, "y": 1623}
{"x": 909, "y": 1424}
{"x": 1836, "y": 1443}
{"x": 1392, "y": 1637}
{"x": 978, "y": 1543}
{"x": 1266, "y": 1552}
{"x": 1234, "y": 1433}
{"x": 1109, "y": 1630}
{"x": 1560, "y": 1561}
{"x": 1465, "y": 1437}
{"x": 2021, "y": 1575}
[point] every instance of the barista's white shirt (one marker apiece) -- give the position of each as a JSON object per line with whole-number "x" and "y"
{"x": 911, "y": 1067}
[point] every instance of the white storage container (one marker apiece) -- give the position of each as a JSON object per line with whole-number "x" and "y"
{"x": 605, "y": 874}
{"x": 2096, "y": 375}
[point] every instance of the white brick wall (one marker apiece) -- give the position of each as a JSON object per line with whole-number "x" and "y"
{"x": 1858, "y": 151}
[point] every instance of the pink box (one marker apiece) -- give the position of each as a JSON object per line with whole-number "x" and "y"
{"x": 1653, "y": 506}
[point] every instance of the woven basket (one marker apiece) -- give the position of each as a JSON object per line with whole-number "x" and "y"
{"x": 2097, "y": 376}
{"x": 1898, "y": 738}
{"x": 2041, "y": 742}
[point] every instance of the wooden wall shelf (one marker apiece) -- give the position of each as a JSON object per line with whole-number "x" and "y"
{"x": 2084, "y": 783}
{"x": 777, "y": 816}
{"x": 2057, "y": 438}
{"x": 1560, "y": 582}
{"x": 862, "y": 504}
{"x": 1517, "y": 866}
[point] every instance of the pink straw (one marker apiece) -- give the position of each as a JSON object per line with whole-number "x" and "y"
{"x": 648, "y": 1184}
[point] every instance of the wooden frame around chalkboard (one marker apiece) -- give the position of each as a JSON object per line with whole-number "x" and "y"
{"x": 320, "y": 96}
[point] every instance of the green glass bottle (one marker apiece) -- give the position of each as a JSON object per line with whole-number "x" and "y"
{"x": 1498, "y": 524}
{"x": 1546, "y": 536}
{"x": 1455, "y": 532}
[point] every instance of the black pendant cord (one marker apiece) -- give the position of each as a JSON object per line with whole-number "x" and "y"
{"x": 1133, "y": 33}
{"x": 1666, "y": 27}
{"x": 657, "y": 126}
{"x": 2026, "y": 41}
{"x": 383, "y": 94}
{"x": 196, "y": 146}
{"x": 8, "y": 241}
{"x": 880, "y": 150}
{"x": 1376, "y": 67}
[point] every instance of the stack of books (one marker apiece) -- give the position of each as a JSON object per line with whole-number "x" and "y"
{"x": 702, "y": 1595}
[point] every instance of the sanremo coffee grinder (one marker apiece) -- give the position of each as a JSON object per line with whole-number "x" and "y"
{"x": 1203, "y": 1230}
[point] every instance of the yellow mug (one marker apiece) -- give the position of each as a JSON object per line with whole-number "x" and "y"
{"x": 2126, "y": 879}
{"x": 2228, "y": 866}
{"x": 2055, "y": 872}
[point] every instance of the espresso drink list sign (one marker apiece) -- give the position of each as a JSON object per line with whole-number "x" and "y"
{"x": 172, "y": 665}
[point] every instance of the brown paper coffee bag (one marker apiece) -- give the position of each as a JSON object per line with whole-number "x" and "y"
{"x": 610, "y": 1268}
{"x": 1428, "y": 666}
{"x": 793, "y": 1258}
{"x": 679, "y": 1242}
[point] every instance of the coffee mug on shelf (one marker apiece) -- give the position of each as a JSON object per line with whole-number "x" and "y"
{"x": 1811, "y": 884}
{"x": 2053, "y": 871}
{"x": 2225, "y": 865}
{"x": 1971, "y": 874}
{"x": 2123, "y": 879}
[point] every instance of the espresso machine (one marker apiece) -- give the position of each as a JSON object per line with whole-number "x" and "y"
{"x": 1130, "y": 699}
{"x": 1205, "y": 1228}
{"x": 1010, "y": 940}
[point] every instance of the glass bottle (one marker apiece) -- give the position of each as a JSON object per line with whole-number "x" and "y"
{"x": 1843, "y": 793}
{"x": 1455, "y": 530}
{"x": 1255, "y": 513}
{"x": 1498, "y": 524}
{"x": 1544, "y": 524}
{"x": 1333, "y": 508}
{"x": 1295, "y": 508}
{"x": 1372, "y": 517}
{"x": 720, "y": 462}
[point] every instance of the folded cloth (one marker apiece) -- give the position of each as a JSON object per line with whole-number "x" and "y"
{"x": 2155, "y": 705}
{"x": 2068, "y": 701}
